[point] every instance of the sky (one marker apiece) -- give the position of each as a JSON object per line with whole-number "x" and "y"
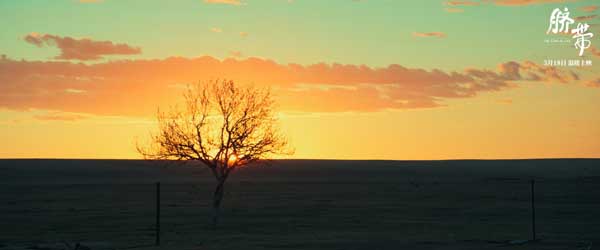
{"x": 353, "y": 79}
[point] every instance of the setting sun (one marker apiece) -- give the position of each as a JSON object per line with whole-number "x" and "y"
{"x": 233, "y": 159}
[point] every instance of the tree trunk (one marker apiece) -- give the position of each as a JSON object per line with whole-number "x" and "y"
{"x": 217, "y": 197}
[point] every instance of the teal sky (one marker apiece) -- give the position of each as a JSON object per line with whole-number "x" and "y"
{"x": 375, "y": 33}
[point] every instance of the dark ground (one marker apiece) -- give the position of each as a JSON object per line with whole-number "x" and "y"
{"x": 304, "y": 204}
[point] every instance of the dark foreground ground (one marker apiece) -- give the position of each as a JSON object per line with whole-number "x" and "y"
{"x": 304, "y": 204}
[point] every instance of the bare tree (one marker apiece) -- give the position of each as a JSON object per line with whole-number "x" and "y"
{"x": 223, "y": 126}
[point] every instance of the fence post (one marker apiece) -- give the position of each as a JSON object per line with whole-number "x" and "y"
{"x": 157, "y": 214}
{"x": 533, "y": 209}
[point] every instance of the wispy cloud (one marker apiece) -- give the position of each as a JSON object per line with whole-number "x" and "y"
{"x": 75, "y": 91}
{"x": 462, "y": 3}
{"x": 59, "y": 116}
{"x": 243, "y": 34}
{"x": 80, "y": 49}
{"x": 454, "y": 10}
{"x": 595, "y": 51}
{"x": 227, "y": 2}
{"x": 506, "y": 101}
{"x": 589, "y": 8}
{"x": 585, "y": 18}
{"x": 452, "y": 6}
{"x": 457, "y": 3}
{"x": 527, "y": 2}
{"x": 593, "y": 83}
{"x": 429, "y": 34}
{"x": 235, "y": 54}
{"x": 216, "y": 30}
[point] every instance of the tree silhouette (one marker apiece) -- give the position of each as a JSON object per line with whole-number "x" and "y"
{"x": 223, "y": 126}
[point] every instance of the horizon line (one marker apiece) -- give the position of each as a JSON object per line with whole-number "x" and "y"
{"x": 322, "y": 159}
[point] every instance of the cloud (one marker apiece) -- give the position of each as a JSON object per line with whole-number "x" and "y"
{"x": 227, "y": 2}
{"x": 504, "y": 2}
{"x": 137, "y": 87}
{"x": 243, "y": 34}
{"x": 593, "y": 83}
{"x": 527, "y": 2}
{"x": 429, "y": 34}
{"x": 506, "y": 101}
{"x": 59, "y": 116}
{"x": 216, "y": 30}
{"x": 452, "y": 5}
{"x": 595, "y": 51}
{"x": 91, "y": 1}
{"x": 462, "y": 3}
{"x": 585, "y": 18}
{"x": 589, "y": 8}
{"x": 75, "y": 91}
{"x": 236, "y": 54}
{"x": 80, "y": 49}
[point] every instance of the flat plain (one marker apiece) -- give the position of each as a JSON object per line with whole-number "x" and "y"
{"x": 304, "y": 204}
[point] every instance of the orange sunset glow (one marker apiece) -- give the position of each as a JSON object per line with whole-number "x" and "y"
{"x": 386, "y": 88}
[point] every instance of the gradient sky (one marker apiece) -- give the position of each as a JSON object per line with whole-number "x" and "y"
{"x": 353, "y": 79}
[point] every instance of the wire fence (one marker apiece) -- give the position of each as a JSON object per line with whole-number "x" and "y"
{"x": 130, "y": 215}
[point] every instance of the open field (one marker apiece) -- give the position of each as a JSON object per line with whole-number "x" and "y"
{"x": 304, "y": 204}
